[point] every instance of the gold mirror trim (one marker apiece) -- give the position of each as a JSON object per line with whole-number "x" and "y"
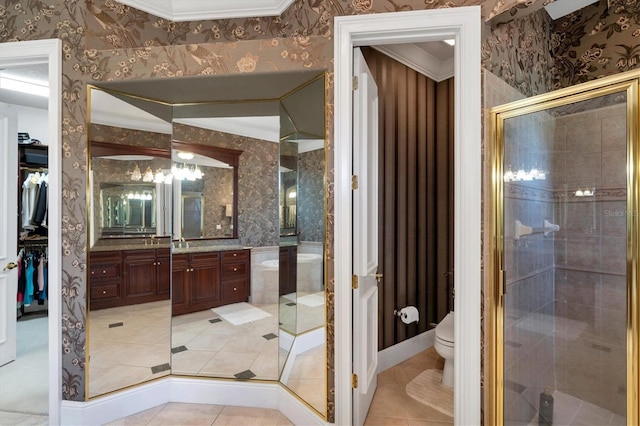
{"x": 628, "y": 82}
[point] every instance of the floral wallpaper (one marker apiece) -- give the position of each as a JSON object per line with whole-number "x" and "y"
{"x": 311, "y": 195}
{"x": 518, "y": 52}
{"x": 507, "y": 10}
{"x": 104, "y": 40}
{"x": 595, "y": 41}
{"x": 258, "y": 219}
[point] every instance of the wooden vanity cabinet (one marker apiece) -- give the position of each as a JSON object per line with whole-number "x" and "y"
{"x": 143, "y": 275}
{"x": 105, "y": 278}
{"x": 288, "y": 270}
{"x": 129, "y": 277}
{"x": 206, "y": 280}
{"x": 236, "y": 272}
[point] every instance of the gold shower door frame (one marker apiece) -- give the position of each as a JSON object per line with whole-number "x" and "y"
{"x": 624, "y": 82}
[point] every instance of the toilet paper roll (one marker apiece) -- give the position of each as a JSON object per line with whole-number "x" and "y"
{"x": 409, "y": 314}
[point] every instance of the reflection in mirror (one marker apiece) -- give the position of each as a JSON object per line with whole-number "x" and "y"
{"x": 128, "y": 339}
{"x": 205, "y": 189}
{"x": 229, "y": 245}
{"x": 302, "y": 215}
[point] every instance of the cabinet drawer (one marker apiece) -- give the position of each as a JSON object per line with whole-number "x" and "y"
{"x": 231, "y": 256}
{"x": 105, "y": 271}
{"x": 234, "y": 270}
{"x": 234, "y": 290}
{"x": 105, "y": 291}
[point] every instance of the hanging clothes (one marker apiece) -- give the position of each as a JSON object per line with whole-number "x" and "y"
{"x": 29, "y": 192}
{"x": 32, "y": 278}
{"x": 40, "y": 209}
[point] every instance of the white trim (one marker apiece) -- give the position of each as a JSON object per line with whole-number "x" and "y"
{"x": 419, "y": 60}
{"x": 463, "y": 24}
{"x": 189, "y": 390}
{"x": 197, "y": 10}
{"x": 394, "y": 355}
{"x": 26, "y": 53}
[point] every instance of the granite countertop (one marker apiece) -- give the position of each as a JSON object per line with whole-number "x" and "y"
{"x": 176, "y": 249}
{"x": 202, "y": 249}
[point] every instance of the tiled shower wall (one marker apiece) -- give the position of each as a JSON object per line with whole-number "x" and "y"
{"x": 529, "y": 263}
{"x": 590, "y": 257}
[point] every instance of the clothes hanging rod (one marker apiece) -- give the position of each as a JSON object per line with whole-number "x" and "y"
{"x": 35, "y": 169}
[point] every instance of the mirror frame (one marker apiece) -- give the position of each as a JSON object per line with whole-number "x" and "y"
{"x": 226, "y": 155}
{"x": 100, "y": 149}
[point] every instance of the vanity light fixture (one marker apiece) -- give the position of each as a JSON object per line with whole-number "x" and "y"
{"x": 186, "y": 172}
{"x": 148, "y": 175}
{"x": 184, "y": 155}
{"x": 521, "y": 175}
{"x": 585, "y": 193}
{"x": 135, "y": 174}
{"x": 146, "y": 196}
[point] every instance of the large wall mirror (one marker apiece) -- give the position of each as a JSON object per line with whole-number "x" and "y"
{"x": 241, "y": 288}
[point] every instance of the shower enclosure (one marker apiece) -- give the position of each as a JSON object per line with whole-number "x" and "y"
{"x": 563, "y": 318}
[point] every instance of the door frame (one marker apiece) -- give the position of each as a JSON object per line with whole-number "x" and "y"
{"x": 49, "y": 51}
{"x": 464, "y": 25}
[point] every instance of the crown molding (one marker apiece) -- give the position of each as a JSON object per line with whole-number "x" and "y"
{"x": 419, "y": 60}
{"x": 197, "y": 10}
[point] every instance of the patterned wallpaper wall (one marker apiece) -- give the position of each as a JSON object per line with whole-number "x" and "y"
{"x": 105, "y": 40}
{"x": 311, "y": 195}
{"x": 596, "y": 41}
{"x": 258, "y": 217}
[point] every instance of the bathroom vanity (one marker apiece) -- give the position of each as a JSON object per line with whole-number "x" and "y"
{"x": 203, "y": 278}
{"x": 207, "y": 279}
{"x": 129, "y": 276}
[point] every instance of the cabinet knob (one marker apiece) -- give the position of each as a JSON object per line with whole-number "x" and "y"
{"x": 234, "y": 289}
{"x": 158, "y": 263}
{"x": 104, "y": 272}
{"x": 235, "y": 269}
{"x": 104, "y": 291}
{"x": 93, "y": 272}
{"x": 235, "y": 254}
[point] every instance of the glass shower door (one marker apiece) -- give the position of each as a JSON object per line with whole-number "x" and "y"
{"x": 566, "y": 221}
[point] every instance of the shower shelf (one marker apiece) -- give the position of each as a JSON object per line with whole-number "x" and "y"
{"x": 546, "y": 229}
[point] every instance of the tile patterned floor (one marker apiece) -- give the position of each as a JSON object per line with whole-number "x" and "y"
{"x": 393, "y": 406}
{"x": 202, "y": 414}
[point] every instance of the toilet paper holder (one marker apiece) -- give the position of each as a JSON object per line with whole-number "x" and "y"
{"x": 408, "y": 314}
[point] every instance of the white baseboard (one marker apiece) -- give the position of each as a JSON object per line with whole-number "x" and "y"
{"x": 224, "y": 392}
{"x": 396, "y": 354}
{"x": 114, "y": 406}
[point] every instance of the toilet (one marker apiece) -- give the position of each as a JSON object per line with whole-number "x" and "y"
{"x": 444, "y": 347}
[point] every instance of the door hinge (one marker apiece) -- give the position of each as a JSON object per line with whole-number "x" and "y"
{"x": 354, "y": 83}
{"x": 354, "y": 182}
{"x": 354, "y": 381}
{"x": 354, "y": 282}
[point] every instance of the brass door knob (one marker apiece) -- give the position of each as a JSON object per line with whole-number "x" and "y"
{"x": 9, "y": 266}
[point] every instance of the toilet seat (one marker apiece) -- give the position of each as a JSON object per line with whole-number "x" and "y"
{"x": 444, "y": 330}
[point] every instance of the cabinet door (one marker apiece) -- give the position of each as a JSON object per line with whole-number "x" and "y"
{"x": 140, "y": 276}
{"x": 205, "y": 280}
{"x": 105, "y": 279}
{"x": 180, "y": 284}
{"x": 288, "y": 270}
